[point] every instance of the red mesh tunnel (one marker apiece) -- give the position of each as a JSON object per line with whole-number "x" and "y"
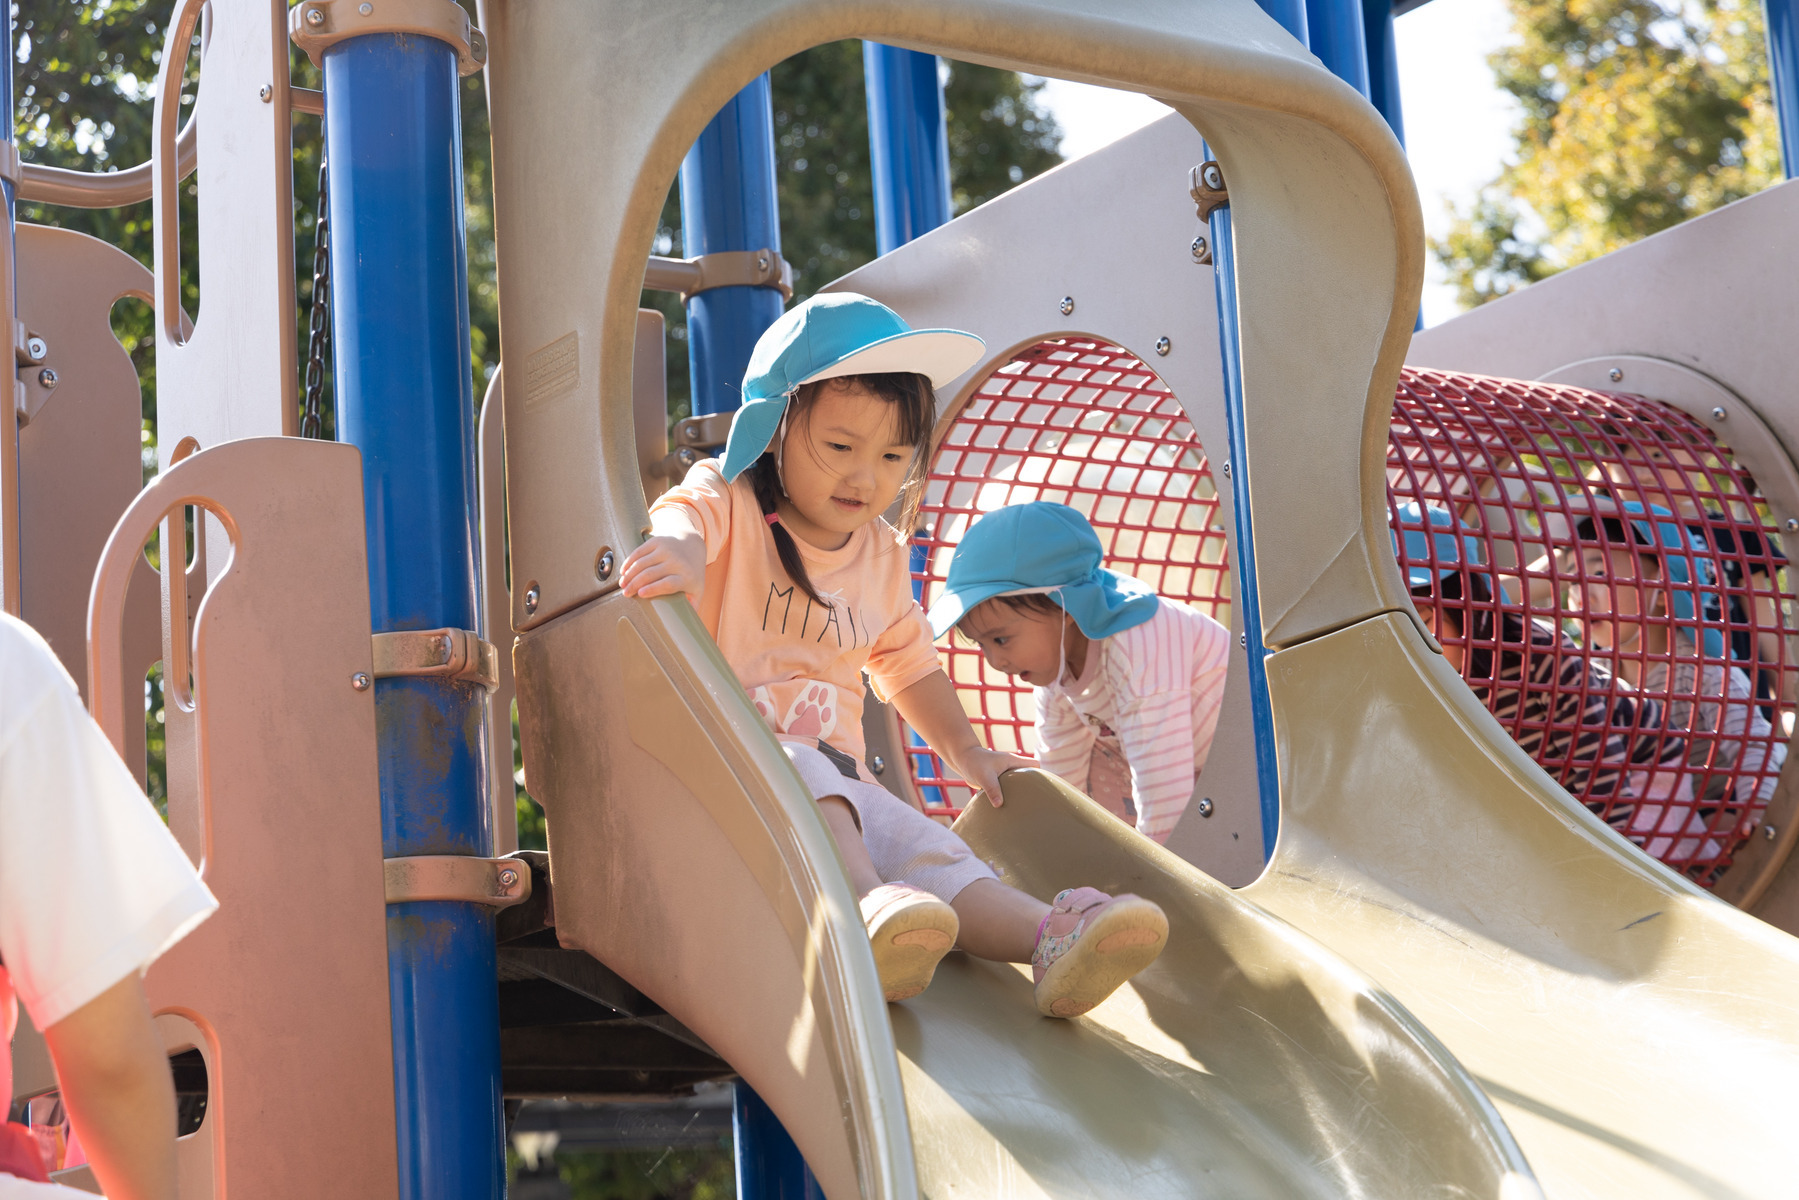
{"x": 1616, "y": 596}
{"x": 1603, "y": 574}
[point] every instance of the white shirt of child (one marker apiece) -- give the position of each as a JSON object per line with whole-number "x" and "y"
{"x": 1158, "y": 686}
{"x": 93, "y": 887}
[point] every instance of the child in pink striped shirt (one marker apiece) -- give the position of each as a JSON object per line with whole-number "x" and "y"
{"x": 1128, "y": 685}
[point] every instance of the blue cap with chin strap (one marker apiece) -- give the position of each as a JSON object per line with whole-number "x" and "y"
{"x": 1684, "y": 564}
{"x": 1047, "y": 549}
{"x": 1451, "y": 553}
{"x": 827, "y": 337}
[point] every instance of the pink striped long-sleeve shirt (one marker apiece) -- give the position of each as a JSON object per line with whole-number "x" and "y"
{"x": 1157, "y": 685}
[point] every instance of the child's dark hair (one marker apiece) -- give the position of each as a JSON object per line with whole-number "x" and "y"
{"x": 1040, "y": 603}
{"x": 915, "y": 411}
{"x": 1615, "y": 534}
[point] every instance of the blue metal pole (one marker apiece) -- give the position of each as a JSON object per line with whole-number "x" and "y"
{"x": 769, "y": 1166}
{"x": 728, "y": 202}
{"x": 1292, "y": 17}
{"x": 1224, "y": 280}
{"x": 908, "y": 141}
{"x": 1783, "y": 75}
{"x": 1335, "y": 30}
{"x": 405, "y": 398}
{"x": 1383, "y": 63}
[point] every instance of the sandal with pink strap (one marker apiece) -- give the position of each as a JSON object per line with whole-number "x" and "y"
{"x": 1090, "y": 944}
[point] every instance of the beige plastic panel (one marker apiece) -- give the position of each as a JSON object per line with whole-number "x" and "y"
{"x": 1059, "y": 236}
{"x": 233, "y": 374}
{"x": 687, "y": 856}
{"x": 1699, "y": 316}
{"x": 285, "y": 987}
{"x": 81, "y": 455}
{"x": 1640, "y": 1037}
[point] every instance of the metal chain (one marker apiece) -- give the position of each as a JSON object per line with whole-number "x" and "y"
{"x": 312, "y": 421}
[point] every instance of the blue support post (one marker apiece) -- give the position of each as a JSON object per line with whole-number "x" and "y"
{"x": 1335, "y": 32}
{"x": 404, "y": 397}
{"x": 1383, "y": 63}
{"x": 908, "y": 142}
{"x": 908, "y": 150}
{"x": 729, "y": 202}
{"x": 1292, "y": 17}
{"x": 1782, "y": 23}
{"x": 1224, "y": 281}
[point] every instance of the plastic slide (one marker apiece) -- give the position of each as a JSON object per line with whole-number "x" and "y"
{"x": 1636, "y": 1035}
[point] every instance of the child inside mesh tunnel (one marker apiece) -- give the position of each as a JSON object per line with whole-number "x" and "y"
{"x": 1128, "y": 684}
{"x": 1563, "y": 709}
{"x": 1634, "y": 607}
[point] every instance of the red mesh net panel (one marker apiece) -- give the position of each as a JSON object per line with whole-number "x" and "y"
{"x": 1604, "y": 576}
{"x": 1086, "y": 424}
{"x": 1608, "y": 583}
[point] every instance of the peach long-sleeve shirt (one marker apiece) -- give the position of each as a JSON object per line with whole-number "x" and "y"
{"x": 802, "y": 662}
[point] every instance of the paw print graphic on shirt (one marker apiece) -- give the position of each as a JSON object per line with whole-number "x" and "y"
{"x": 764, "y": 701}
{"x": 813, "y": 713}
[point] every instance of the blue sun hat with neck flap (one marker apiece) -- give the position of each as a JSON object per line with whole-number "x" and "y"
{"x": 829, "y": 336}
{"x": 1449, "y": 553}
{"x": 1041, "y": 549}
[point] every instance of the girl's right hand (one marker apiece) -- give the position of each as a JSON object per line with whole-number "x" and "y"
{"x": 665, "y": 565}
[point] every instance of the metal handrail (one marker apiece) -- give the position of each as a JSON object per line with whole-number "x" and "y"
{"x": 39, "y": 184}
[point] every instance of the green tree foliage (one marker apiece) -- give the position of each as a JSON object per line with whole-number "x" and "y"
{"x": 1636, "y": 115}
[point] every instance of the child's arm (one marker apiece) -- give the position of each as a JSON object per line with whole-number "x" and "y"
{"x": 931, "y": 707}
{"x": 672, "y": 560}
{"x": 115, "y": 1082}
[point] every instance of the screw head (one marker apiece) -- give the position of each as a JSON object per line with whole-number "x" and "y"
{"x": 1227, "y": 468}
{"x": 1067, "y": 305}
{"x": 762, "y": 262}
{"x": 265, "y": 93}
{"x": 360, "y": 681}
{"x": 1243, "y": 640}
{"x": 508, "y": 877}
{"x": 602, "y": 566}
{"x": 365, "y": 9}
{"x": 878, "y": 765}
{"x": 532, "y": 596}
{"x": 1770, "y": 832}
{"x": 1205, "y": 806}
{"x": 1214, "y": 178}
{"x": 1718, "y": 413}
{"x": 1201, "y": 248}
{"x": 315, "y": 17}
{"x": 36, "y": 347}
{"x": 1791, "y": 525}
{"x": 1616, "y": 374}
{"x": 47, "y": 377}
{"x": 477, "y": 45}
{"x": 1163, "y": 346}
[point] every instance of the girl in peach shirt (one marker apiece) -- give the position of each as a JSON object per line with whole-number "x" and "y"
{"x": 782, "y": 549}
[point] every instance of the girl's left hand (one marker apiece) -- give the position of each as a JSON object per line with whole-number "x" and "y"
{"x": 982, "y": 768}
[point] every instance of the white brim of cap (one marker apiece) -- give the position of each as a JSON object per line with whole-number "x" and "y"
{"x": 940, "y": 355}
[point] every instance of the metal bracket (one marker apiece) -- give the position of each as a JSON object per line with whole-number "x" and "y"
{"x": 727, "y": 268}
{"x": 457, "y": 653}
{"x": 317, "y": 25}
{"x": 693, "y": 438}
{"x": 1207, "y": 188}
{"x": 500, "y": 882}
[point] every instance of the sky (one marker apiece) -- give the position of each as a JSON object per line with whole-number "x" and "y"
{"x": 1457, "y": 123}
